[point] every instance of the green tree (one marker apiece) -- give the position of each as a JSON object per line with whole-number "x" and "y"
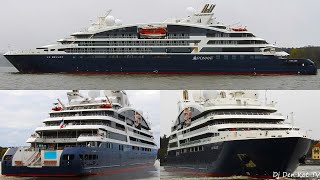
{"x": 162, "y": 152}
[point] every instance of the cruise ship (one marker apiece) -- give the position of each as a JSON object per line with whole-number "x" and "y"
{"x": 90, "y": 136}
{"x": 233, "y": 133}
{"x": 196, "y": 44}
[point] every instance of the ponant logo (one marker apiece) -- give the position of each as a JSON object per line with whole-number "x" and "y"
{"x": 196, "y": 58}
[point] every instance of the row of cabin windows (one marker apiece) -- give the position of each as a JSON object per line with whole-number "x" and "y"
{"x": 173, "y": 136}
{"x": 141, "y": 133}
{"x": 88, "y": 107}
{"x": 135, "y": 43}
{"x": 178, "y": 36}
{"x": 191, "y": 149}
{"x": 243, "y": 121}
{"x": 210, "y": 34}
{"x": 84, "y": 113}
{"x": 258, "y": 129}
{"x": 140, "y": 148}
{"x": 230, "y": 49}
{"x": 218, "y": 35}
{"x": 197, "y": 138}
{"x": 141, "y": 141}
{"x": 174, "y": 144}
{"x": 170, "y": 36}
{"x": 87, "y": 122}
{"x": 238, "y": 112}
{"x": 237, "y": 42}
{"x": 107, "y": 50}
{"x": 91, "y": 113}
{"x": 240, "y": 57}
{"x": 232, "y": 121}
{"x": 104, "y": 35}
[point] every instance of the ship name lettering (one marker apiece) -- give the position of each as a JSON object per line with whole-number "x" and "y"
{"x": 56, "y": 57}
{"x": 202, "y": 58}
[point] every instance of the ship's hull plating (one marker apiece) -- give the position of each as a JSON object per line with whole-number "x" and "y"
{"x": 255, "y": 158}
{"x": 161, "y": 64}
{"x": 107, "y": 161}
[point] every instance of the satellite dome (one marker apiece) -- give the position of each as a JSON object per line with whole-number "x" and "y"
{"x": 110, "y": 20}
{"x": 191, "y": 11}
{"x": 118, "y": 22}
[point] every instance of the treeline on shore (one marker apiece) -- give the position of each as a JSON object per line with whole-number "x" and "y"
{"x": 162, "y": 152}
{"x": 309, "y": 52}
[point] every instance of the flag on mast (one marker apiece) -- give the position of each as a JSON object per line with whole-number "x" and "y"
{"x": 62, "y": 125}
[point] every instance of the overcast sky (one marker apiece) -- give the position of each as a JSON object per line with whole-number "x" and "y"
{"x": 34, "y": 23}
{"x": 22, "y": 112}
{"x": 304, "y": 105}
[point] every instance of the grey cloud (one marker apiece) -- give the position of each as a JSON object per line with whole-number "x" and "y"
{"x": 33, "y": 23}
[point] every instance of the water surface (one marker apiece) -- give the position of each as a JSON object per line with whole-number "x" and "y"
{"x": 11, "y": 79}
{"x": 151, "y": 173}
{"x": 302, "y": 172}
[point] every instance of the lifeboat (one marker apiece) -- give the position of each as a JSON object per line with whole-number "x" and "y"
{"x": 153, "y": 32}
{"x": 56, "y": 108}
{"x": 239, "y": 29}
{"x": 105, "y": 106}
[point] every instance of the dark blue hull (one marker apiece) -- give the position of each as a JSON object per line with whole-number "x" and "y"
{"x": 255, "y": 158}
{"x": 100, "y": 160}
{"x": 161, "y": 64}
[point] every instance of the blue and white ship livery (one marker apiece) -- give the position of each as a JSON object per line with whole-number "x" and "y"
{"x": 91, "y": 135}
{"x": 197, "y": 44}
{"x": 233, "y": 133}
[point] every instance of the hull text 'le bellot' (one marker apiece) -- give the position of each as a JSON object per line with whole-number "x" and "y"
{"x": 89, "y": 136}
{"x": 197, "y": 44}
{"x": 232, "y": 133}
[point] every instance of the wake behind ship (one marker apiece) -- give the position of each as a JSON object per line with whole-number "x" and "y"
{"x": 232, "y": 133}
{"x": 92, "y": 135}
{"x": 197, "y": 44}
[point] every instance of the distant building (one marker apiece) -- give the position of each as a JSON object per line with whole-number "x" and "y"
{"x": 316, "y": 151}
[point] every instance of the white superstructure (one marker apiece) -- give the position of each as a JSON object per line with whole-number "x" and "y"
{"x": 92, "y": 121}
{"x": 208, "y": 117}
{"x": 199, "y": 33}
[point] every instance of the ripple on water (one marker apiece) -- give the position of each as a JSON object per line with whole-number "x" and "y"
{"x": 10, "y": 79}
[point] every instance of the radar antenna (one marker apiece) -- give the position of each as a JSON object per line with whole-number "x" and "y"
{"x": 208, "y": 8}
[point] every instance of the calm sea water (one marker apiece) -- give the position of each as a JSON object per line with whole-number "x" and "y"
{"x": 152, "y": 173}
{"x": 309, "y": 173}
{"x": 11, "y": 79}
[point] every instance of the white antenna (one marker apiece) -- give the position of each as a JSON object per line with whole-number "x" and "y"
{"x": 265, "y": 97}
{"x": 292, "y": 120}
{"x": 9, "y": 47}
